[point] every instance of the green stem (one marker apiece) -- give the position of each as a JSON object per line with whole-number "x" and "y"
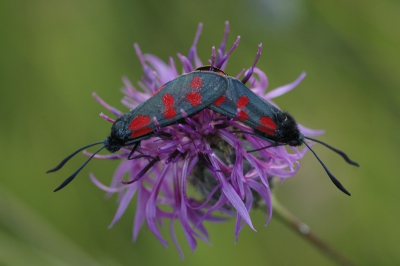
{"x": 285, "y": 216}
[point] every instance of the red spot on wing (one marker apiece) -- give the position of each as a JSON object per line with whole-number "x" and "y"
{"x": 141, "y": 132}
{"x": 158, "y": 90}
{"x": 242, "y": 102}
{"x": 139, "y": 126}
{"x": 139, "y": 122}
{"x": 170, "y": 113}
{"x": 268, "y": 122}
{"x": 196, "y": 83}
{"x": 220, "y": 100}
{"x": 242, "y": 115}
{"x": 194, "y": 98}
{"x": 168, "y": 100}
{"x": 267, "y": 125}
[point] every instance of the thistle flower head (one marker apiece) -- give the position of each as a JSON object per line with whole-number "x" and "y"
{"x": 207, "y": 151}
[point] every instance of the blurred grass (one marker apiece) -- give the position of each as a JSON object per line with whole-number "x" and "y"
{"x": 55, "y": 54}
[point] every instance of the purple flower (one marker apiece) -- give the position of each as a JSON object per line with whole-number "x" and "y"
{"x": 203, "y": 153}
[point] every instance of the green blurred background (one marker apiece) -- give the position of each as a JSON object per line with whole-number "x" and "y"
{"x": 54, "y": 54}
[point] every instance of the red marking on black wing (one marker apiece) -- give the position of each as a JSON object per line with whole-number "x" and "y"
{"x": 255, "y": 111}
{"x": 243, "y": 115}
{"x": 196, "y": 83}
{"x": 138, "y": 122}
{"x": 267, "y": 125}
{"x": 139, "y": 126}
{"x": 242, "y": 102}
{"x": 169, "y": 110}
{"x": 191, "y": 92}
{"x": 195, "y": 98}
{"x": 220, "y": 100}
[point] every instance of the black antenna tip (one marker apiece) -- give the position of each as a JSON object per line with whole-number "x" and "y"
{"x": 344, "y": 155}
{"x": 61, "y": 164}
{"x": 69, "y": 179}
{"x": 338, "y": 184}
{"x": 333, "y": 179}
{"x": 66, "y": 181}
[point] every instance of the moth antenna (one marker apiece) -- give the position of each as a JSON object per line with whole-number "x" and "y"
{"x": 334, "y": 180}
{"x": 344, "y": 156}
{"x": 69, "y": 179}
{"x": 61, "y": 164}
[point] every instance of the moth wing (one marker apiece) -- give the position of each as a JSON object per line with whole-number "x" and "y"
{"x": 254, "y": 111}
{"x": 190, "y": 92}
